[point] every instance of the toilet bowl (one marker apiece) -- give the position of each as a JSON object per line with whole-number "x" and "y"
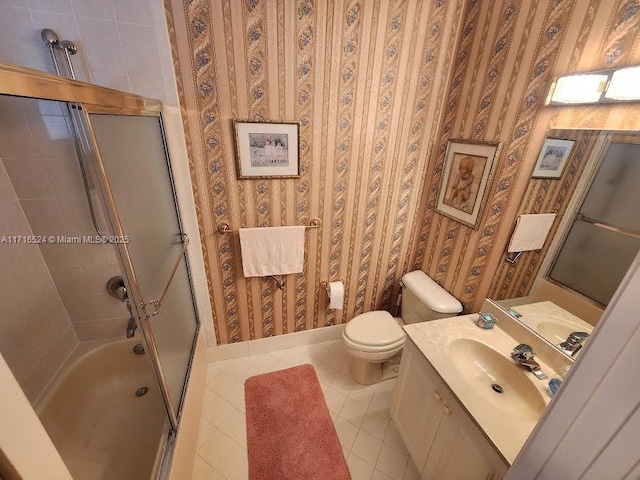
{"x": 370, "y": 339}
{"x": 373, "y": 340}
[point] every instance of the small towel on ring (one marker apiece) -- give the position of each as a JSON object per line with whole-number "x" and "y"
{"x": 531, "y": 232}
{"x": 272, "y": 250}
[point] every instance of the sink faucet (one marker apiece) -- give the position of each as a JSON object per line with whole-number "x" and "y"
{"x": 523, "y": 355}
{"x": 573, "y": 343}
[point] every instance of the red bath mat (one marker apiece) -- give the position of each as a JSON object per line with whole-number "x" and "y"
{"x": 290, "y": 435}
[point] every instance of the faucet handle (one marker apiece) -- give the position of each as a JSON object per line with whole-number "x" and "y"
{"x": 523, "y": 352}
{"x": 577, "y": 337}
{"x": 523, "y": 348}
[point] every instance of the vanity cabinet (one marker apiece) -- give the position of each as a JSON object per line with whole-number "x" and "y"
{"x": 442, "y": 440}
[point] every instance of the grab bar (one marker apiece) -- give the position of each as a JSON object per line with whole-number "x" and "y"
{"x": 225, "y": 228}
{"x": 157, "y": 304}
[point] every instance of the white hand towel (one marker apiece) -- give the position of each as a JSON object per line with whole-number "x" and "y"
{"x": 272, "y": 250}
{"x": 531, "y": 232}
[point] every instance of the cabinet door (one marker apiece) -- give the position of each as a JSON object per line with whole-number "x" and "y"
{"x": 417, "y": 403}
{"x": 460, "y": 450}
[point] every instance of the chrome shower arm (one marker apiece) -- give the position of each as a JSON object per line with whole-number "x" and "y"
{"x": 50, "y": 38}
{"x": 69, "y": 48}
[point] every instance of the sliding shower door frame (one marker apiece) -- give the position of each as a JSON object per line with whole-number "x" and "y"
{"x": 83, "y": 124}
{"x": 83, "y": 99}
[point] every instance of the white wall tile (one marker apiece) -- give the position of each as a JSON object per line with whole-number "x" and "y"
{"x": 135, "y": 12}
{"x": 93, "y": 9}
{"x": 18, "y": 41}
{"x": 141, "y": 52}
{"x": 65, "y": 179}
{"x": 14, "y": 3}
{"x": 142, "y": 60}
{"x": 15, "y": 138}
{"x": 33, "y": 318}
{"x": 57, "y": 6}
{"x": 116, "y": 78}
{"x": 29, "y": 178}
{"x": 52, "y": 137}
{"x": 102, "y": 44}
{"x": 164, "y": 49}
{"x": 110, "y": 328}
{"x": 147, "y": 84}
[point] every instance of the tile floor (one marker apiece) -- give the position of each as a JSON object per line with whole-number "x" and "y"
{"x": 370, "y": 441}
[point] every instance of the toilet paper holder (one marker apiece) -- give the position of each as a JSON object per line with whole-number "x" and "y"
{"x": 324, "y": 285}
{"x": 336, "y": 299}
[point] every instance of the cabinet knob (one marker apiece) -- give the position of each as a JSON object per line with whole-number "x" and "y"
{"x": 447, "y": 410}
{"x": 437, "y": 396}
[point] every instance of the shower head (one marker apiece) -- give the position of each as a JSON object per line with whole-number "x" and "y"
{"x": 49, "y": 36}
{"x": 69, "y": 46}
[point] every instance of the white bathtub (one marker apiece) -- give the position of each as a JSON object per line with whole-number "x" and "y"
{"x": 99, "y": 426}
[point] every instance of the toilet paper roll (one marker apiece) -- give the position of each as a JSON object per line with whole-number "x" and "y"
{"x": 335, "y": 290}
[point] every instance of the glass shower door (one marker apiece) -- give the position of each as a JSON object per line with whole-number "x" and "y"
{"x": 134, "y": 157}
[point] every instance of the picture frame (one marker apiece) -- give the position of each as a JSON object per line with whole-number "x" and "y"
{"x": 553, "y": 158}
{"x": 267, "y": 149}
{"x": 466, "y": 175}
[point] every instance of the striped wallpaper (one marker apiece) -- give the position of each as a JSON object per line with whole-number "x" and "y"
{"x": 378, "y": 87}
{"x": 499, "y": 86}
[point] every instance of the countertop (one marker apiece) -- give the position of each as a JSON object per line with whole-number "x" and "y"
{"x": 507, "y": 433}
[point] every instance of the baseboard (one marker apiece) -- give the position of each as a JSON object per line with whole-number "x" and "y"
{"x": 270, "y": 344}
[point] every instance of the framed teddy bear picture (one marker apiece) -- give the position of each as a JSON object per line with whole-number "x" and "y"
{"x": 466, "y": 174}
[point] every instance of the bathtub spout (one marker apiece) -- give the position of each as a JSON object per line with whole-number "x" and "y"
{"x": 131, "y": 327}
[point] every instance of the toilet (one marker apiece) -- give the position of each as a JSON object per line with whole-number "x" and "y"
{"x": 374, "y": 339}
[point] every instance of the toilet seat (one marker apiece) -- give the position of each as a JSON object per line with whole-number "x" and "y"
{"x": 375, "y": 331}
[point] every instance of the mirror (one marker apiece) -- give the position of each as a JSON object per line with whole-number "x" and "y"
{"x": 561, "y": 290}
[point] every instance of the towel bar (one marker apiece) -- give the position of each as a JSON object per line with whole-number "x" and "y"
{"x": 512, "y": 260}
{"x": 225, "y": 228}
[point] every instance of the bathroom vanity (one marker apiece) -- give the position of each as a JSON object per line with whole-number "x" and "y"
{"x": 463, "y": 408}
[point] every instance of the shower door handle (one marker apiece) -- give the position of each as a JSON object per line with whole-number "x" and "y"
{"x": 157, "y": 303}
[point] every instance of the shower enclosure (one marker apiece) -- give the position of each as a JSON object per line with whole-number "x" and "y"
{"x": 110, "y": 404}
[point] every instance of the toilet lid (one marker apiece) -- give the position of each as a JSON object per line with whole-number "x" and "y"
{"x": 374, "y": 329}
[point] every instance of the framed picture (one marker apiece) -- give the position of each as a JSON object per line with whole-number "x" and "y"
{"x": 553, "y": 157}
{"x": 267, "y": 149}
{"x": 466, "y": 174}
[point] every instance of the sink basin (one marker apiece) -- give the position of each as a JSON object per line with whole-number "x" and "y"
{"x": 483, "y": 367}
{"x": 557, "y": 332}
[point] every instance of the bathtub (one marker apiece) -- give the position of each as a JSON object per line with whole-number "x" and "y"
{"x": 100, "y": 427}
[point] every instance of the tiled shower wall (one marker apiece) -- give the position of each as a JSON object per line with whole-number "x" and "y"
{"x": 118, "y": 41}
{"x": 43, "y": 168}
{"x": 124, "y": 45}
{"x": 36, "y": 334}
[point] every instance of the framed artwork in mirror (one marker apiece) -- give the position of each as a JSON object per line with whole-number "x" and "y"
{"x": 466, "y": 174}
{"x": 553, "y": 158}
{"x": 267, "y": 149}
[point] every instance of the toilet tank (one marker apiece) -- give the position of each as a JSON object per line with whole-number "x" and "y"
{"x": 423, "y": 299}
